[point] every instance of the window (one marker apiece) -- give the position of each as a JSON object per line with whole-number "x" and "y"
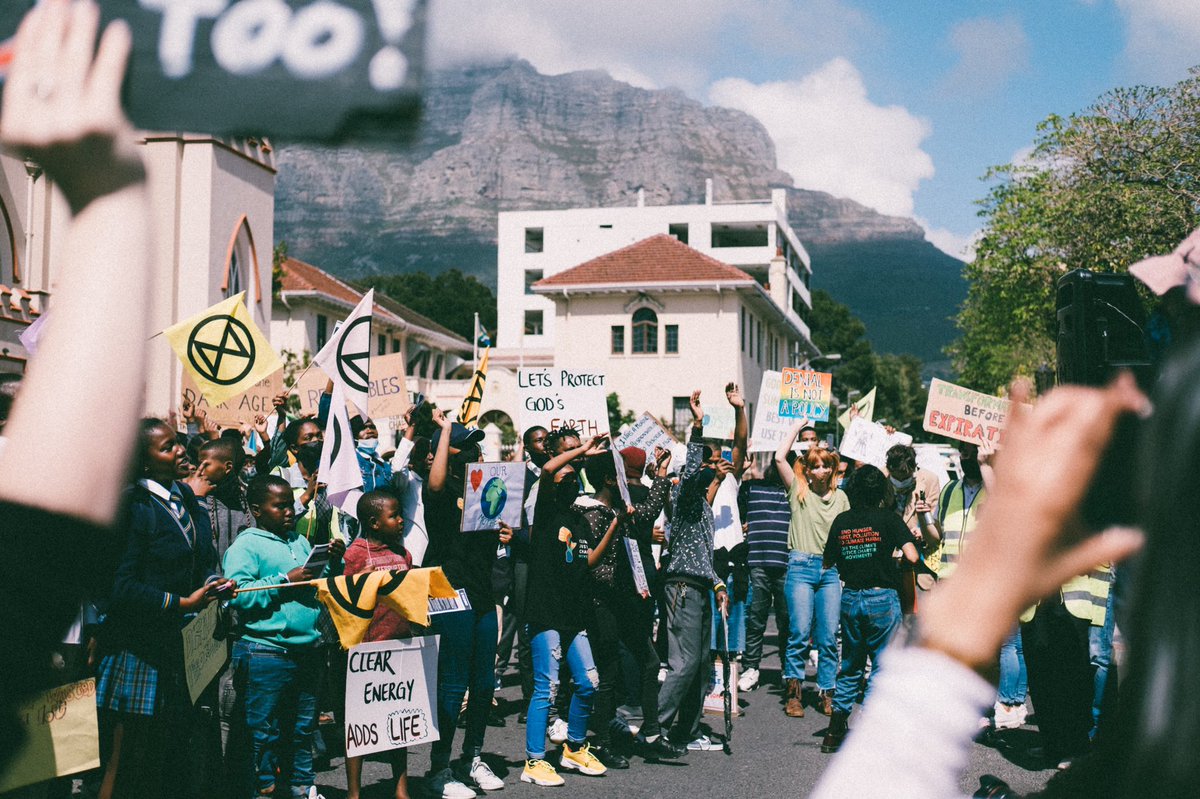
{"x": 533, "y": 323}
{"x": 382, "y": 347}
{"x": 645, "y": 330}
{"x": 437, "y": 367}
{"x": 234, "y": 284}
{"x": 418, "y": 358}
{"x": 739, "y": 235}
{"x": 322, "y": 330}
{"x": 681, "y": 415}
{"x": 534, "y": 239}
{"x": 618, "y": 339}
{"x": 759, "y": 336}
{"x": 743, "y": 328}
{"x": 679, "y": 231}
{"x": 532, "y": 276}
{"x": 673, "y": 338}
{"x": 395, "y": 345}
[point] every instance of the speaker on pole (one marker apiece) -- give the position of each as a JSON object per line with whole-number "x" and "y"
{"x": 1101, "y": 328}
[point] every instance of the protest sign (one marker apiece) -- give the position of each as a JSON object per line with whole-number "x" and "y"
{"x": 492, "y": 493}
{"x": 300, "y": 69}
{"x": 719, "y": 421}
{"x": 865, "y": 441}
{"x": 259, "y": 398}
{"x": 806, "y": 393}
{"x": 770, "y": 429}
{"x": 388, "y": 395}
{"x": 727, "y": 520}
{"x": 864, "y": 405}
{"x": 619, "y": 470}
{"x": 391, "y": 695}
{"x": 309, "y": 390}
{"x": 634, "y": 552}
{"x": 439, "y": 605}
{"x": 61, "y": 736}
{"x": 646, "y": 433}
{"x": 963, "y": 414}
{"x": 554, "y": 398}
{"x": 204, "y": 655}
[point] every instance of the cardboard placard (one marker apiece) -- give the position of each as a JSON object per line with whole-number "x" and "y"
{"x": 62, "y": 737}
{"x": 204, "y": 655}
{"x": 391, "y": 695}
{"x": 492, "y": 494}
{"x": 770, "y": 429}
{"x": 646, "y": 433}
{"x": 719, "y": 421}
{"x": 311, "y": 387}
{"x": 233, "y": 412}
{"x": 639, "y": 570}
{"x": 865, "y": 441}
{"x": 389, "y": 389}
{"x": 299, "y": 69}
{"x": 803, "y": 392}
{"x": 963, "y": 414}
{"x": 554, "y": 398}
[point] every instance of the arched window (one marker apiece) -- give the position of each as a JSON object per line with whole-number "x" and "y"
{"x": 241, "y": 264}
{"x": 645, "y": 330}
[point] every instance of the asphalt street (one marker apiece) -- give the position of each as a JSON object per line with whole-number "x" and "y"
{"x": 772, "y": 755}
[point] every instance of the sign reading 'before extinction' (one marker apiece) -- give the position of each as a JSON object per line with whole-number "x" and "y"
{"x": 806, "y": 393}
{"x": 963, "y": 414}
{"x": 554, "y": 398}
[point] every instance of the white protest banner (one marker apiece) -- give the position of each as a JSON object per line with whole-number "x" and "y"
{"x": 204, "y": 655}
{"x": 770, "y": 429}
{"x": 622, "y": 483}
{"x": 646, "y": 433}
{"x": 259, "y": 398}
{"x": 554, "y": 398}
{"x": 865, "y": 441}
{"x": 719, "y": 420}
{"x": 391, "y": 695}
{"x": 61, "y": 736}
{"x": 963, "y": 414}
{"x": 438, "y": 605}
{"x": 492, "y": 494}
{"x": 639, "y": 571}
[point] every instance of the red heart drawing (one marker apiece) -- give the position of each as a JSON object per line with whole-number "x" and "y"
{"x": 476, "y": 479}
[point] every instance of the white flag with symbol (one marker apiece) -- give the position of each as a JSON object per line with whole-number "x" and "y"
{"x": 339, "y": 469}
{"x": 346, "y": 357}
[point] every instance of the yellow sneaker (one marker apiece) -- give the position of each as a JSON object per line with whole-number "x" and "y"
{"x": 581, "y": 760}
{"x": 539, "y": 772}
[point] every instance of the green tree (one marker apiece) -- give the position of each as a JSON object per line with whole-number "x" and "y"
{"x": 1102, "y": 189}
{"x": 450, "y": 298}
{"x": 618, "y": 417}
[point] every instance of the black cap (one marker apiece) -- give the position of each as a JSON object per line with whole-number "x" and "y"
{"x": 460, "y": 436}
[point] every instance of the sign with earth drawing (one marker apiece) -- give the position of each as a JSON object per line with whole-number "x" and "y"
{"x": 492, "y": 494}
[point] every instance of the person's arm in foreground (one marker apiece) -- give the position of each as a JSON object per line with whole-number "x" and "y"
{"x": 62, "y": 109}
{"x": 1026, "y": 546}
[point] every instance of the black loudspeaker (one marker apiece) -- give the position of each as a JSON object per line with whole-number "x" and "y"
{"x": 1101, "y": 328}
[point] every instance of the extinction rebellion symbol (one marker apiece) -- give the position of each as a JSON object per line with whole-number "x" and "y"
{"x": 352, "y": 365}
{"x": 221, "y": 350}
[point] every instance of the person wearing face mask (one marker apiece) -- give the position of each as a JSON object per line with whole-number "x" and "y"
{"x": 813, "y": 591}
{"x": 916, "y": 491}
{"x": 958, "y": 505}
{"x": 217, "y": 485}
{"x": 376, "y": 472}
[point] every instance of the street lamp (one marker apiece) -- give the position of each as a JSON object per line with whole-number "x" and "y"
{"x": 832, "y": 357}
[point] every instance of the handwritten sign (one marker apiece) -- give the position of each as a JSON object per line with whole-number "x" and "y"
{"x": 770, "y": 429}
{"x": 311, "y": 387}
{"x": 388, "y": 394}
{"x": 639, "y": 570}
{"x": 869, "y": 442}
{"x": 492, "y": 494}
{"x": 259, "y": 398}
{"x": 300, "y": 69}
{"x": 203, "y": 654}
{"x": 963, "y": 414}
{"x": 61, "y": 736}
{"x": 646, "y": 433}
{"x": 719, "y": 421}
{"x": 803, "y": 392}
{"x": 554, "y": 398}
{"x": 391, "y": 695}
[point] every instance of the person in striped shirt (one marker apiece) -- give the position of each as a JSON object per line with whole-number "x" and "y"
{"x": 764, "y": 506}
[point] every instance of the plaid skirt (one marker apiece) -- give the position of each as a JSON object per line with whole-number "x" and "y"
{"x": 127, "y": 684}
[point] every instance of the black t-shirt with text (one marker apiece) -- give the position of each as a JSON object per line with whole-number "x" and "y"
{"x": 558, "y": 596}
{"x": 861, "y": 543}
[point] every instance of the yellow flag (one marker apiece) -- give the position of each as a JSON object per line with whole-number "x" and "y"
{"x": 468, "y": 414}
{"x": 866, "y": 409}
{"x": 223, "y": 349}
{"x": 351, "y": 600}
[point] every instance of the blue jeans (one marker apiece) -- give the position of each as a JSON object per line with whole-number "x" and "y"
{"x": 466, "y": 659}
{"x": 279, "y": 686}
{"x": 813, "y": 593}
{"x": 737, "y": 620}
{"x": 1013, "y": 681}
{"x": 547, "y": 658}
{"x": 869, "y": 617}
{"x": 1100, "y": 645}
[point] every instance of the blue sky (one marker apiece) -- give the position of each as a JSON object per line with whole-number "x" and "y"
{"x": 901, "y": 105}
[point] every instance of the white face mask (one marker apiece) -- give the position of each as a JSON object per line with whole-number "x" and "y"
{"x": 368, "y": 444}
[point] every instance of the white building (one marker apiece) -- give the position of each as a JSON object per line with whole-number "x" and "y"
{"x": 533, "y": 245}
{"x": 661, "y": 319}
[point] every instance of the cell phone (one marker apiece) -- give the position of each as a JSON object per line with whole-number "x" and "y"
{"x": 727, "y": 454}
{"x": 318, "y": 559}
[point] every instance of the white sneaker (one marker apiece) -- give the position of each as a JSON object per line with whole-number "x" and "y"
{"x": 662, "y": 674}
{"x": 483, "y": 776}
{"x": 312, "y": 793}
{"x": 444, "y": 785}
{"x": 704, "y": 744}
{"x": 558, "y": 732}
{"x": 749, "y": 680}
{"x": 1009, "y": 718}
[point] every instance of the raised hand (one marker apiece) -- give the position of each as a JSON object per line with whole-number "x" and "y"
{"x": 734, "y": 394}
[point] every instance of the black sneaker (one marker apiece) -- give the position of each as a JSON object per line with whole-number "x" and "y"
{"x": 660, "y": 749}
{"x": 610, "y": 757}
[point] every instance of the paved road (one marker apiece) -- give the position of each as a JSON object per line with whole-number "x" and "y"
{"x": 773, "y": 755}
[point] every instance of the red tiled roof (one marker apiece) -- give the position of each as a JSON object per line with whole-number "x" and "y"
{"x": 658, "y": 259}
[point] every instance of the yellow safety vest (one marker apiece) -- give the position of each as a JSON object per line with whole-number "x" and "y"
{"x": 1085, "y": 597}
{"x": 957, "y": 523}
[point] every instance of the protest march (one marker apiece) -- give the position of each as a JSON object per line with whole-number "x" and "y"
{"x": 385, "y": 563}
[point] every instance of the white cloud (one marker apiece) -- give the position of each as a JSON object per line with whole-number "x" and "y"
{"x": 949, "y": 242}
{"x": 1161, "y": 37}
{"x": 990, "y": 53}
{"x": 831, "y": 137}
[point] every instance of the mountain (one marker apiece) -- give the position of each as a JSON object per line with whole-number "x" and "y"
{"x": 504, "y": 137}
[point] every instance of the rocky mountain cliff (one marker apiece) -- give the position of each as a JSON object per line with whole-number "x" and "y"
{"x": 504, "y": 137}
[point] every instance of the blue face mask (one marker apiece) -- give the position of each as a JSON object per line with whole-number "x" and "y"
{"x": 368, "y": 444}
